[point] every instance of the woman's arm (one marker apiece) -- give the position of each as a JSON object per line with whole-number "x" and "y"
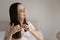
{"x": 12, "y": 31}
{"x": 36, "y": 34}
{"x": 33, "y": 31}
{"x": 8, "y": 37}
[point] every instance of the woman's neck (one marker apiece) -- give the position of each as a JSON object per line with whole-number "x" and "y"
{"x": 21, "y": 21}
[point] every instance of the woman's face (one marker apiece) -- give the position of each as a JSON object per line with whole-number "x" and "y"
{"x": 21, "y": 12}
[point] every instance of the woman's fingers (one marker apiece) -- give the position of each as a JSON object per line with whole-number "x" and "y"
{"x": 12, "y": 25}
{"x": 17, "y": 27}
{"x": 25, "y": 27}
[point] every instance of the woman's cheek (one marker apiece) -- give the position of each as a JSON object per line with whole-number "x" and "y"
{"x": 22, "y": 16}
{"x": 26, "y": 16}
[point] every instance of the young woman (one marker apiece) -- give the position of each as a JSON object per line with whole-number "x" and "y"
{"x": 19, "y": 28}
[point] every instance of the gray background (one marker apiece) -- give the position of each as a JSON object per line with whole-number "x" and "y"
{"x": 43, "y": 14}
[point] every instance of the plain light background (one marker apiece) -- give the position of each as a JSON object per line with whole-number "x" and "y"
{"x": 43, "y": 14}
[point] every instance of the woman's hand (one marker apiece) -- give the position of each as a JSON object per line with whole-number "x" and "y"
{"x": 14, "y": 29}
{"x": 25, "y": 27}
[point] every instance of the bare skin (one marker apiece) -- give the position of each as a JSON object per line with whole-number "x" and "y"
{"x": 16, "y": 29}
{"x": 21, "y": 15}
{"x": 12, "y": 31}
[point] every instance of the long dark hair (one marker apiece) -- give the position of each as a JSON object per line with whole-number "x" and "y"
{"x": 14, "y": 18}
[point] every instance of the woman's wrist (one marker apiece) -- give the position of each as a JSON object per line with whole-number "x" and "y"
{"x": 8, "y": 37}
{"x": 10, "y": 34}
{"x": 30, "y": 30}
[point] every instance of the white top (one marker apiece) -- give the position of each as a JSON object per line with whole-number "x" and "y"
{"x": 25, "y": 35}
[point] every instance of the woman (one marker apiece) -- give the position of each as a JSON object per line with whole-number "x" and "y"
{"x": 19, "y": 28}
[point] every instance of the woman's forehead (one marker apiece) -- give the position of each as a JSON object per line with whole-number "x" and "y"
{"x": 20, "y": 7}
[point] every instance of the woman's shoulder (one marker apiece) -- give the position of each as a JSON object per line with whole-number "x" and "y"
{"x": 30, "y": 25}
